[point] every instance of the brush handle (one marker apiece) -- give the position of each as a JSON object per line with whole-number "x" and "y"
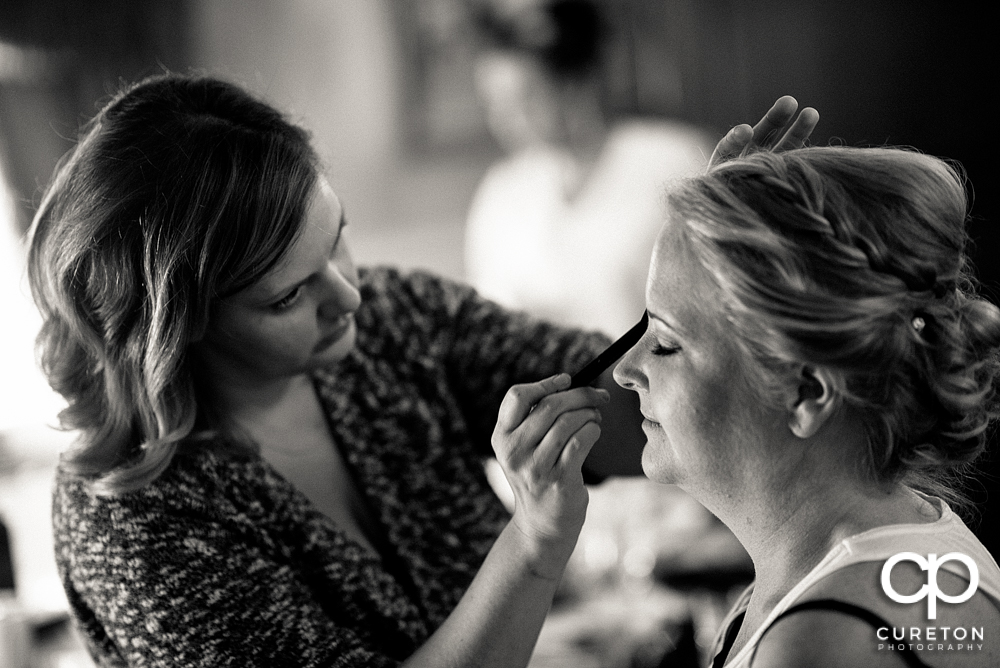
{"x": 611, "y": 354}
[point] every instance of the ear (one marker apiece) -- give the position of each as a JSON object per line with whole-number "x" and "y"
{"x": 813, "y": 402}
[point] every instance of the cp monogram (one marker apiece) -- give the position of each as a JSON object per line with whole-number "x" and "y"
{"x": 930, "y": 590}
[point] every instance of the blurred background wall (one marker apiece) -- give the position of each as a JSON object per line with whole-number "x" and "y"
{"x": 386, "y": 88}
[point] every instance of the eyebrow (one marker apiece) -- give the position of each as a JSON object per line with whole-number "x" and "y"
{"x": 666, "y": 323}
{"x": 278, "y": 294}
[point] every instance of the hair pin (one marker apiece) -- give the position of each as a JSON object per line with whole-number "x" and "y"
{"x": 918, "y": 323}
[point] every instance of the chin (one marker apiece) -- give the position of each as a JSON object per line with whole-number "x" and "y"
{"x": 655, "y": 466}
{"x": 658, "y": 475}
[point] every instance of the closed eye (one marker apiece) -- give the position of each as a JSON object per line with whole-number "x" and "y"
{"x": 288, "y": 300}
{"x": 662, "y": 351}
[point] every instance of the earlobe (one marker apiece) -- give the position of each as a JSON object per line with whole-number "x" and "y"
{"x": 815, "y": 400}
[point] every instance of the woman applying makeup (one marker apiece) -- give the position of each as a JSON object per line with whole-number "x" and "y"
{"x": 280, "y": 455}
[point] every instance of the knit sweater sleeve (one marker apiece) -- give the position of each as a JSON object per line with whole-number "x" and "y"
{"x": 483, "y": 347}
{"x": 177, "y": 575}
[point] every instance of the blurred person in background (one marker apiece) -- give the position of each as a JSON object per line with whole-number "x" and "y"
{"x": 821, "y": 373}
{"x": 562, "y": 225}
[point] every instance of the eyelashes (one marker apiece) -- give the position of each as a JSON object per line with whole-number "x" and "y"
{"x": 288, "y": 300}
{"x": 334, "y": 256}
{"x": 663, "y": 351}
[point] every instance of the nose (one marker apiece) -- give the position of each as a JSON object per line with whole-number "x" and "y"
{"x": 341, "y": 294}
{"x": 629, "y": 373}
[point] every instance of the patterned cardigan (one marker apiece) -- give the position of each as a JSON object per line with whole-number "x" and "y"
{"x": 222, "y": 562}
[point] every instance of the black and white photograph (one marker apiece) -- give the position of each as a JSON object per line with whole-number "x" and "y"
{"x": 499, "y": 334}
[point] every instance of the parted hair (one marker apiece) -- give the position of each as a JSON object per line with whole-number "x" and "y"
{"x": 854, "y": 260}
{"x": 182, "y": 190}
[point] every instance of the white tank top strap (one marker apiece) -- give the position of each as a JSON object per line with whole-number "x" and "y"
{"x": 945, "y": 535}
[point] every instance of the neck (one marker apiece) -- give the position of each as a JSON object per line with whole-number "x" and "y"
{"x": 789, "y": 517}
{"x": 253, "y": 401}
{"x": 583, "y": 128}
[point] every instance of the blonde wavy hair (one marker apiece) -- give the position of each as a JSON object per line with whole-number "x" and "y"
{"x": 181, "y": 191}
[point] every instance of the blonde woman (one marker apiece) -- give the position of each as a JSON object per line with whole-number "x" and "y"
{"x": 819, "y": 372}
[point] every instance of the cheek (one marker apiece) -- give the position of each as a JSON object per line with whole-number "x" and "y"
{"x": 695, "y": 416}
{"x": 677, "y": 401}
{"x": 291, "y": 335}
{"x": 273, "y": 339}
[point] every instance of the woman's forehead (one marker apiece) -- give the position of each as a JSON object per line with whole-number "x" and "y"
{"x": 317, "y": 233}
{"x": 671, "y": 264}
{"x": 679, "y": 288}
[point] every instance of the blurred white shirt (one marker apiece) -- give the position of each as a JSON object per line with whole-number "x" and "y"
{"x": 574, "y": 252}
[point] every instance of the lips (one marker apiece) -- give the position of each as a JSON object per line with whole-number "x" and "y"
{"x": 341, "y": 327}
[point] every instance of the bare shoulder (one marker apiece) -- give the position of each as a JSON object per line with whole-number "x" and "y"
{"x": 964, "y": 634}
{"x": 823, "y": 639}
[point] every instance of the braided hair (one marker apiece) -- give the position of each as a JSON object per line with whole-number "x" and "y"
{"x": 854, "y": 260}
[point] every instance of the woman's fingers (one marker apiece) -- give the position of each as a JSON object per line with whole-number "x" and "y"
{"x": 532, "y": 408}
{"x": 779, "y": 130}
{"x": 536, "y": 421}
{"x": 543, "y": 434}
{"x": 776, "y": 118}
{"x": 554, "y": 419}
{"x": 732, "y": 144}
{"x": 520, "y": 399}
{"x": 578, "y": 447}
{"x": 800, "y": 130}
{"x": 561, "y": 435}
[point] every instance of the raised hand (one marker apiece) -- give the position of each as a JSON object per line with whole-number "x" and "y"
{"x": 779, "y": 130}
{"x": 544, "y": 432}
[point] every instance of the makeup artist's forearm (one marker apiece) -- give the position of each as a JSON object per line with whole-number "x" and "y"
{"x": 497, "y": 621}
{"x": 619, "y": 450}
